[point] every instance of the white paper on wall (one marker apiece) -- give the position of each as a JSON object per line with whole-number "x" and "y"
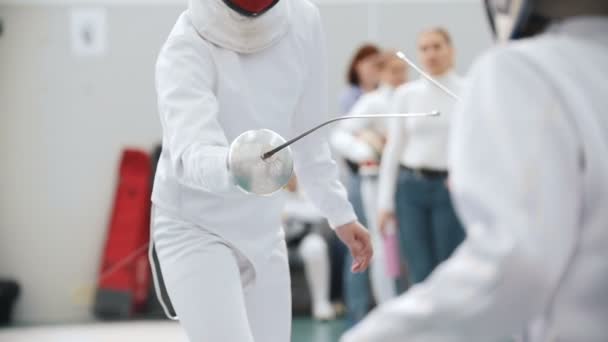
{"x": 88, "y": 31}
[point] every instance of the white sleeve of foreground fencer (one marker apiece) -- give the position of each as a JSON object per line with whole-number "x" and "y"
{"x": 391, "y": 156}
{"x": 185, "y": 76}
{"x": 516, "y": 182}
{"x": 316, "y": 170}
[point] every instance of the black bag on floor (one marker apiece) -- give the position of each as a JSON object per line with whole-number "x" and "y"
{"x": 9, "y": 291}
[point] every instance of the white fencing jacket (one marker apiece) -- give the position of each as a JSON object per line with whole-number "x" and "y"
{"x": 529, "y": 159}
{"x": 208, "y": 95}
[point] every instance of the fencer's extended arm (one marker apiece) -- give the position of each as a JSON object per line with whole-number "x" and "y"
{"x": 316, "y": 170}
{"x": 516, "y": 184}
{"x": 188, "y": 112}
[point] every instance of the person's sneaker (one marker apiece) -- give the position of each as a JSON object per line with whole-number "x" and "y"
{"x": 324, "y": 312}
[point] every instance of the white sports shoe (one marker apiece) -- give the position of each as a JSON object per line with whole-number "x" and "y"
{"x": 324, "y": 312}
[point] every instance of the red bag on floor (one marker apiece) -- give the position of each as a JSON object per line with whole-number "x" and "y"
{"x": 125, "y": 272}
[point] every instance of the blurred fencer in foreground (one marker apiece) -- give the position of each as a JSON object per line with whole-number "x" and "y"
{"x": 529, "y": 166}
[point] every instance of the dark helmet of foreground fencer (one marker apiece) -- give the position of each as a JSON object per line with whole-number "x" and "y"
{"x": 251, "y": 8}
{"x": 515, "y": 19}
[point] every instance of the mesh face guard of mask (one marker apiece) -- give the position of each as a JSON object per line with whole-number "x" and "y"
{"x": 514, "y": 19}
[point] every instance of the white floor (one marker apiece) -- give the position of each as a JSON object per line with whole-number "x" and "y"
{"x": 148, "y": 331}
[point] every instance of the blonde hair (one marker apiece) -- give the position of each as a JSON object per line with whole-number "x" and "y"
{"x": 441, "y": 31}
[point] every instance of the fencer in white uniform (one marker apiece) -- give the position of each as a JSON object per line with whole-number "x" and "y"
{"x": 230, "y": 66}
{"x": 530, "y": 180}
{"x": 362, "y": 140}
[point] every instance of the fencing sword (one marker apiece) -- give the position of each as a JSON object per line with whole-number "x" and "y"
{"x": 345, "y": 117}
{"x": 401, "y": 56}
{"x": 260, "y": 161}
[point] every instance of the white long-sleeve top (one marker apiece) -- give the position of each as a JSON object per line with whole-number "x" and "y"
{"x": 208, "y": 95}
{"x": 418, "y": 143}
{"x": 530, "y": 180}
{"x": 344, "y": 137}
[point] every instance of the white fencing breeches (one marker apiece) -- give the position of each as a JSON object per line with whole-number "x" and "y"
{"x": 383, "y": 286}
{"x": 218, "y": 294}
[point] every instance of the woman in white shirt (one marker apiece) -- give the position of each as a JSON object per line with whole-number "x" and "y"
{"x": 413, "y": 176}
{"x": 362, "y": 141}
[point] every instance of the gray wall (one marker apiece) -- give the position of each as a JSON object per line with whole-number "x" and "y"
{"x": 64, "y": 121}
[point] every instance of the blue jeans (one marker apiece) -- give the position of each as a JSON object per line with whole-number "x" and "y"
{"x": 429, "y": 230}
{"x": 357, "y": 292}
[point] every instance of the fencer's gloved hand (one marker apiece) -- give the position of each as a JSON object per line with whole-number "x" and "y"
{"x": 357, "y": 239}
